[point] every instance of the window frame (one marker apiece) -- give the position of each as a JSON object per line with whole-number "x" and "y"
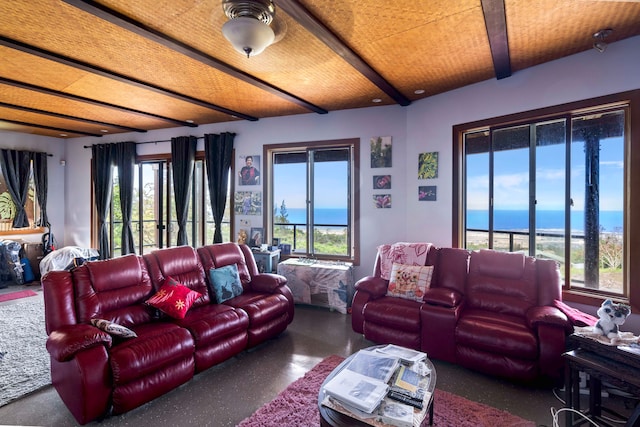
{"x": 33, "y": 228}
{"x": 630, "y": 99}
{"x": 354, "y": 191}
{"x": 166, "y": 233}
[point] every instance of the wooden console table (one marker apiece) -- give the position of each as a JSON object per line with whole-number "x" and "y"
{"x": 321, "y": 283}
{"x": 603, "y": 363}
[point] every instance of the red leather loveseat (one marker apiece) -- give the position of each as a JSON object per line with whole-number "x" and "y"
{"x": 97, "y": 373}
{"x": 486, "y": 310}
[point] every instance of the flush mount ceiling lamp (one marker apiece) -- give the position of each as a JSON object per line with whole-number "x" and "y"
{"x": 600, "y": 45}
{"x": 248, "y": 28}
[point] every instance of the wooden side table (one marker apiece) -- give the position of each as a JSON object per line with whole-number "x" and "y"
{"x": 603, "y": 363}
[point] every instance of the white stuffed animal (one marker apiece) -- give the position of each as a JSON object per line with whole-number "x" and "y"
{"x": 611, "y": 316}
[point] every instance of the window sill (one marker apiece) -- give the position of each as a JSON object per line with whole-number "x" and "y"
{"x": 22, "y": 231}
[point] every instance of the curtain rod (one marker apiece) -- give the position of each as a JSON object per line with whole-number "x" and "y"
{"x": 149, "y": 142}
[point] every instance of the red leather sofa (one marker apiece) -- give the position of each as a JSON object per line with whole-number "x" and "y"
{"x": 97, "y": 374}
{"x": 485, "y": 310}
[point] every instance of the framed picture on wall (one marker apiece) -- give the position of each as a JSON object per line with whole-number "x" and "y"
{"x": 248, "y": 168}
{"x": 427, "y": 193}
{"x": 381, "y": 182}
{"x": 256, "y": 237}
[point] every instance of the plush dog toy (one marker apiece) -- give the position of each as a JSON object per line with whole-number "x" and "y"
{"x": 611, "y": 317}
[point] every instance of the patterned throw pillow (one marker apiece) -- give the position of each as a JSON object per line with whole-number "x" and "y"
{"x": 113, "y": 328}
{"x": 409, "y": 281}
{"x": 174, "y": 298}
{"x": 225, "y": 282}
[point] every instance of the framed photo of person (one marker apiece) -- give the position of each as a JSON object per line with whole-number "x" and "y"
{"x": 256, "y": 237}
{"x": 248, "y": 168}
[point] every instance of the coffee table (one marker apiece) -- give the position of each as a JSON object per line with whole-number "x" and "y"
{"x": 332, "y": 418}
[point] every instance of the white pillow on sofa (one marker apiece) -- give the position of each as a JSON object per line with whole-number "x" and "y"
{"x": 409, "y": 281}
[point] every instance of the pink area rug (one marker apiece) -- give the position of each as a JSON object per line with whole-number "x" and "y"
{"x": 297, "y": 406}
{"x": 16, "y": 295}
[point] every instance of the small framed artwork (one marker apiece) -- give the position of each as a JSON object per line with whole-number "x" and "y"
{"x": 381, "y": 182}
{"x": 427, "y": 193}
{"x": 428, "y": 165}
{"x": 275, "y": 241}
{"x": 248, "y": 202}
{"x": 256, "y": 237}
{"x": 382, "y": 201}
{"x": 249, "y": 167}
{"x": 380, "y": 152}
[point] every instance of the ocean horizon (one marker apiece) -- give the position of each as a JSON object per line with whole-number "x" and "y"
{"x": 610, "y": 221}
{"x": 516, "y": 220}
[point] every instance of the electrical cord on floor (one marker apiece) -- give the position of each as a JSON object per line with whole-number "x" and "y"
{"x": 556, "y": 392}
{"x": 555, "y": 414}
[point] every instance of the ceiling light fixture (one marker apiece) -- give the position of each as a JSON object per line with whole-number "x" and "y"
{"x": 600, "y": 45}
{"x": 248, "y": 27}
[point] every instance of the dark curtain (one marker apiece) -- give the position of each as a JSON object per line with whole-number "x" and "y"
{"x": 125, "y": 157}
{"x": 40, "y": 179}
{"x": 218, "y": 150}
{"x": 102, "y": 162}
{"x": 183, "y": 155}
{"x": 16, "y": 166}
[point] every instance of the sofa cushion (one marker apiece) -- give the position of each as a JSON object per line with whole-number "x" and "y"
{"x": 496, "y": 333}
{"x": 225, "y": 282}
{"x": 173, "y": 299}
{"x": 402, "y": 314}
{"x": 113, "y": 329}
{"x": 157, "y": 346}
{"x": 409, "y": 281}
{"x": 210, "y": 323}
{"x": 260, "y": 307}
{"x": 402, "y": 253}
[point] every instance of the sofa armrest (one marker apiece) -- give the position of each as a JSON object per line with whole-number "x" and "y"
{"x": 63, "y": 344}
{"x": 267, "y": 282}
{"x": 373, "y": 285}
{"x": 549, "y": 316}
{"x": 444, "y": 297}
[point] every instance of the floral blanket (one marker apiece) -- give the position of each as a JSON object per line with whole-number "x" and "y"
{"x": 401, "y": 253}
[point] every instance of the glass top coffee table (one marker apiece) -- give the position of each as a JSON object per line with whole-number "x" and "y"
{"x": 339, "y": 418}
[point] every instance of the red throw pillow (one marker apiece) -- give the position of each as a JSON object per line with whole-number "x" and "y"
{"x": 174, "y": 299}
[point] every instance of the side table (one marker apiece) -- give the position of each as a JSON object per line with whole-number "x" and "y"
{"x": 267, "y": 261}
{"x": 320, "y": 283}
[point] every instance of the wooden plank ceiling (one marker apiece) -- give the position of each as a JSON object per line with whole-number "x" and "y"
{"x": 72, "y": 68}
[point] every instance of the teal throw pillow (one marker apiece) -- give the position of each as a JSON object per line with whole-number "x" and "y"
{"x": 225, "y": 282}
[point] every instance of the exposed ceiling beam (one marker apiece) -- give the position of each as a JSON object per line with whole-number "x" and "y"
{"x": 495, "y": 20}
{"x": 16, "y": 122}
{"x": 116, "y": 76}
{"x": 302, "y": 15}
{"x": 142, "y": 30}
{"x": 60, "y": 94}
{"x": 65, "y": 116}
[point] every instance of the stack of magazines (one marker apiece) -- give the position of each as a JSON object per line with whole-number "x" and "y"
{"x": 363, "y": 383}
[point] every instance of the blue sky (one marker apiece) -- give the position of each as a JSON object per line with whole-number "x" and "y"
{"x": 511, "y": 182}
{"x": 330, "y": 189}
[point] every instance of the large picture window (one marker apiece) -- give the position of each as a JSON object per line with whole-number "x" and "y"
{"x": 554, "y": 184}
{"x": 154, "y": 219}
{"x": 311, "y": 191}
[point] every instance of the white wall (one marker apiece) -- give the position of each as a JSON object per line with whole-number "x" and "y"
{"x": 56, "y": 173}
{"x": 422, "y": 127}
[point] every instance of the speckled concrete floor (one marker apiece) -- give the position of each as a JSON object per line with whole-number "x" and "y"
{"x": 230, "y": 392}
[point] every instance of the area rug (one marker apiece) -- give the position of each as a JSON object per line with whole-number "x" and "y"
{"x": 297, "y": 406}
{"x": 16, "y": 295}
{"x": 24, "y": 361}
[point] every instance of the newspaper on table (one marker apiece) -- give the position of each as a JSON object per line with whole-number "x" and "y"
{"x": 406, "y": 354}
{"x": 356, "y": 390}
{"x": 380, "y": 417}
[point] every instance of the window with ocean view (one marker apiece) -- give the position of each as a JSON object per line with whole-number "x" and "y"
{"x": 553, "y": 187}
{"x": 311, "y": 192}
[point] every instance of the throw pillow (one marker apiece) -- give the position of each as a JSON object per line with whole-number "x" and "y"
{"x": 409, "y": 281}
{"x": 174, "y": 298}
{"x": 225, "y": 282}
{"x": 113, "y": 328}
